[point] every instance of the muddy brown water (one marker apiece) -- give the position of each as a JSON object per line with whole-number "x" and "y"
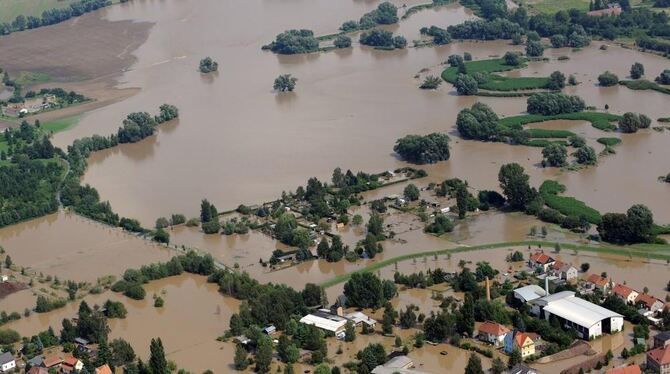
{"x": 194, "y": 315}
{"x": 239, "y": 142}
{"x": 74, "y": 248}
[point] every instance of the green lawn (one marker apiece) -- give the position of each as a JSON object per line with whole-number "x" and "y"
{"x": 553, "y": 6}
{"x": 497, "y": 82}
{"x": 566, "y": 205}
{"x": 643, "y": 84}
{"x": 610, "y": 142}
{"x": 61, "y": 124}
{"x": 598, "y": 120}
{"x": 545, "y": 133}
{"x": 30, "y": 77}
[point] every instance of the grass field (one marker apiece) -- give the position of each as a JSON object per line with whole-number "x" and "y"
{"x": 61, "y": 124}
{"x": 553, "y": 6}
{"x": 545, "y": 133}
{"x": 643, "y": 84}
{"x": 568, "y": 206}
{"x": 610, "y": 142}
{"x": 29, "y": 77}
{"x": 598, "y": 120}
{"x": 541, "y": 143}
{"x": 651, "y": 251}
{"x": 9, "y": 9}
{"x": 497, "y": 82}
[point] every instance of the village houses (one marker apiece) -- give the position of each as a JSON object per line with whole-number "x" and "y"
{"x": 625, "y": 293}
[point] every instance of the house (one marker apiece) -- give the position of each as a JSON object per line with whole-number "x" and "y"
{"x": 564, "y": 271}
{"x": 36, "y": 361}
{"x": 658, "y": 360}
{"x": 359, "y": 318}
{"x": 398, "y": 364}
{"x": 598, "y": 282}
{"x": 529, "y": 293}
{"x": 522, "y": 369}
{"x": 662, "y": 339}
{"x": 72, "y": 364}
{"x": 632, "y": 369}
{"x": 611, "y": 10}
{"x": 7, "y": 362}
{"x": 587, "y": 319}
{"x": 521, "y": 341}
{"x": 81, "y": 342}
{"x": 52, "y": 362}
{"x": 493, "y": 333}
{"x": 242, "y": 339}
{"x": 37, "y": 370}
{"x": 104, "y": 369}
{"x": 326, "y": 321}
{"x": 269, "y": 330}
{"x": 625, "y": 293}
{"x": 540, "y": 260}
{"x": 648, "y": 302}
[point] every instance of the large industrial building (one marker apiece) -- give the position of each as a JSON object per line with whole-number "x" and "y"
{"x": 587, "y": 319}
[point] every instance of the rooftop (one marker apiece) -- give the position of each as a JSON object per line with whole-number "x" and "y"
{"x": 665, "y": 335}
{"x": 566, "y": 305}
{"x": 493, "y": 328}
{"x": 522, "y": 369}
{"x": 324, "y": 321}
{"x": 530, "y": 292}
{"x": 399, "y": 362}
{"x": 541, "y": 258}
{"x": 6, "y": 357}
{"x": 622, "y": 290}
{"x": 661, "y": 355}
{"x": 647, "y": 300}
{"x": 358, "y": 317}
{"x": 632, "y": 369}
{"x": 597, "y": 279}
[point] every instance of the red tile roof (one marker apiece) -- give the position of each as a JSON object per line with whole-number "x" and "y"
{"x": 660, "y": 355}
{"x": 72, "y": 361}
{"x": 104, "y": 369}
{"x": 646, "y": 299}
{"x": 52, "y": 361}
{"x": 520, "y": 338}
{"x": 557, "y": 265}
{"x": 493, "y": 328}
{"x": 632, "y": 369}
{"x": 623, "y": 291}
{"x": 541, "y": 258}
{"x": 37, "y": 370}
{"x": 596, "y": 279}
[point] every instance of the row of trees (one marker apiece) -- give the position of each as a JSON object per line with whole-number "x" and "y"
{"x": 53, "y": 16}
{"x": 426, "y": 149}
{"x": 382, "y": 39}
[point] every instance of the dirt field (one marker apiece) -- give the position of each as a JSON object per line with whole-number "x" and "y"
{"x": 8, "y": 288}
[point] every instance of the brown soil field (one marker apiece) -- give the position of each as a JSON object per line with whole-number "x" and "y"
{"x": 8, "y": 288}
{"x": 85, "y": 54}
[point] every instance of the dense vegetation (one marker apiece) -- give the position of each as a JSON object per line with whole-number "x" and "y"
{"x": 293, "y": 42}
{"x": 285, "y": 83}
{"x": 427, "y": 149}
{"x": 207, "y": 65}
{"x": 548, "y": 104}
{"x": 382, "y": 39}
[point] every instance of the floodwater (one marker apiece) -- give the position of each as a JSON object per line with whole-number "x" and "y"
{"x": 237, "y": 142}
{"x": 74, "y": 248}
{"x": 188, "y": 332}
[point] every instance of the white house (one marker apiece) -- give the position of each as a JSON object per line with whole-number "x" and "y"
{"x": 625, "y": 293}
{"x": 564, "y": 271}
{"x": 540, "y": 260}
{"x": 326, "y": 321}
{"x": 7, "y": 362}
{"x": 587, "y": 319}
{"x": 493, "y": 333}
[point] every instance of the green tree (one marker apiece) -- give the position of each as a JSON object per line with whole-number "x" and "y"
{"x": 498, "y": 366}
{"x": 556, "y": 81}
{"x": 264, "y": 354}
{"x": 285, "y": 82}
{"x": 462, "y": 196}
{"x": 586, "y": 155}
{"x": 466, "y": 85}
{"x": 349, "y": 332}
{"x": 157, "y": 362}
{"x": 240, "y": 361}
{"x": 465, "y": 322}
{"x": 512, "y": 59}
{"x": 376, "y": 225}
{"x": 474, "y": 365}
{"x": 342, "y": 41}
{"x": 207, "y": 211}
{"x": 514, "y": 183}
{"x": 637, "y": 70}
{"x": 608, "y": 79}
{"x": 364, "y": 290}
{"x": 514, "y": 358}
{"x": 388, "y": 319}
{"x": 554, "y": 154}
{"x": 431, "y": 82}
{"x": 534, "y": 49}
{"x": 411, "y": 192}
{"x": 207, "y": 65}
{"x": 8, "y": 262}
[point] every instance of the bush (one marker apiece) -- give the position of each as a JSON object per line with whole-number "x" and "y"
{"x": 478, "y": 122}
{"x": 608, "y": 79}
{"x": 631, "y": 122}
{"x": 512, "y": 59}
{"x": 664, "y": 77}
{"x": 554, "y": 154}
{"x": 466, "y": 85}
{"x": 284, "y": 82}
{"x": 637, "y": 70}
{"x": 295, "y": 41}
{"x": 207, "y": 65}
{"x": 377, "y": 38}
{"x": 399, "y": 42}
{"x": 342, "y": 41}
{"x": 135, "y": 291}
{"x": 556, "y": 81}
{"x": 559, "y": 41}
{"x": 455, "y": 60}
{"x": 431, "y": 82}
{"x": 534, "y": 49}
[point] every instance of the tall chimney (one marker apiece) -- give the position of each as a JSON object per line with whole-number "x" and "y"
{"x": 488, "y": 289}
{"x": 546, "y": 285}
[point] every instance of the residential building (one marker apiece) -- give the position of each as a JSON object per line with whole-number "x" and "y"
{"x": 37, "y": 370}
{"x": 631, "y": 369}
{"x": 71, "y": 364}
{"x": 599, "y": 283}
{"x": 521, "y": 341}
{"x": 7, "y": 362}
{"x": 104, "y": 369}
{"x": 648, "y": 302}
{"x": 587, "y": 319}
{"x": 564, "y": 271}
{"x": 52, "y": 362}
{"x": 540, "y": 260}
{"x": 398, "y": 364}
{"x": 269, "y": 330}
{"x": 662, "y": 339}
{"x": 625, "y": 293}
{"x": 36, "y": 361}
{"x": 529, "y": 293}
{"x": 493, "y": 333}
{"x": 658, "y": 360}
{"x": 326, "y": 321}
{"x": 522, "y": 369}
{"x": 359, "y": 318}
